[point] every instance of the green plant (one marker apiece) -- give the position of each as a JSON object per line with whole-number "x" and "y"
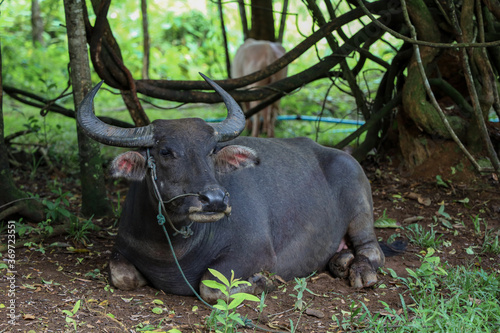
{"x": 441, "y": 182}
{"x": 57, "y": 209}
{"x": 109, "y": 288}
{"x": 356, "y": 317}
{"x": 426, "y": 277}
{"x": 491, "y": 243}
{"x": 476, "y": 221}
{"x": 71, "y": 313}
{"x": 386, "y": 222}
{"x": 300, "y": 287}
{"x": 78, "y": 230}
{"x": 416, "y": 234}
{"x": 43, "y": 228}
{"x": 223, "y": 318}
{"x": 94, "y": 274}
{"x": 443, "y": 217}
{"x": 34, "y": 246}
{"x": 458, "y": 299}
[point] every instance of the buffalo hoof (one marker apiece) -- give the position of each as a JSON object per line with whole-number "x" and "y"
{"x": 340, "y": 263}
{"x": 123, "y": 274}
{"x": 357, "y": 268}
{"x": 361, "y": 273}
{"x": 261, "y": 283}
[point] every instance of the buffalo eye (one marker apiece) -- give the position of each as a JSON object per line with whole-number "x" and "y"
{"x": 214, "y": 151}
{"x": 166, "y": 152}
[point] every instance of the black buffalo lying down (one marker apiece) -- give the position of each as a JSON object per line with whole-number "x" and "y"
{"x": 283, "y": 206}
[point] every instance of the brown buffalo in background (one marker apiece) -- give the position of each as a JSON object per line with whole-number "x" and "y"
{"x": 252, "y": 56}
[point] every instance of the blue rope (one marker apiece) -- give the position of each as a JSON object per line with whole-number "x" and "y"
{"x": 160, "y": 217}
{"x": 180, "y": 269}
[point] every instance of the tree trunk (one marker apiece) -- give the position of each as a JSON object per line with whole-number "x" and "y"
{"x": 419, "y": 123}
{"x": 262, "y": 20}
{"x": 36, "y": 23}
{"x": 145, "y": 41}
{"x": 281, "y": 32}
{"x": 94, "y": 199}
{"x": 224, "y": 38}
{"x": 11, "y": 198}
{"x": 243, "y": 16}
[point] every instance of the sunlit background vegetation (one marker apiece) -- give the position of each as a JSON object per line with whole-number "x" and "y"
{"x": 186, "y": 39}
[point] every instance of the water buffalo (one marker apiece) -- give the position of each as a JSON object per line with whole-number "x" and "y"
{"x": 252, "y": 56}
{"x": 252, "y": 204}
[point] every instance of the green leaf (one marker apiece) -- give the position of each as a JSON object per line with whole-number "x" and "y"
{"x": 440, "y": 181}
{"x": 386, "y": 223}
{"x": 216, "y": 285}
{"x": 469, "y": 250}
{"x": 222, "y": 307}
{"x": 234, "y": 303}
{"x": 446, "y": 223}
{"x": 236, "y": 283}
{"x": 158, "y": 302}
{"x": 219, "y": 276}
{"x": 64, "y": 212}
{"x": 246, "y": 297}
{"x": 157, "y": 310}
{"x": 238, "y": 319}
{"x": 76, "y": 307}
{"x": 442, "y": 212}
{"x": 392, "y": 273}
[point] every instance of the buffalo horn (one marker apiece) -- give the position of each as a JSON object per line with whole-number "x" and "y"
{"x": 108, "y": 134}
{"x": 234, "y": 124}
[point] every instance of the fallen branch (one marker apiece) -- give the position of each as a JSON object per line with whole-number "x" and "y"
{"x": 11, "y": 211}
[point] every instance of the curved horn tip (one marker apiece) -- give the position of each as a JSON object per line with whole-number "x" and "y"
{"x": 98, "y": 86}
{"x": 91, "y": 94}
{"x": 208, "y": 80}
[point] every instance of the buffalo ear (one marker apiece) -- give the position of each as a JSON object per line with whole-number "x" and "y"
{"x": 235, "y": 157}
{"x": 130, "y": 165}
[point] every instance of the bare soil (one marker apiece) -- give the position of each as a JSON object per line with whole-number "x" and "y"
{"x": 48, "y": 283}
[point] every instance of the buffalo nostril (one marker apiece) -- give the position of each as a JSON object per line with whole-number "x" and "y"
{"x": 204, "y": 199}
{"x": 214, "y": 199}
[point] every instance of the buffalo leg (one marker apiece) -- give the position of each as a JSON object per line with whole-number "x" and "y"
{"x": 123, "y": 274}
{"x": 360, "y": 264}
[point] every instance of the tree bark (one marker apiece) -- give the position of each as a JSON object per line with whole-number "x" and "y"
{"x": 224, "y": 38}
{"x": 281, "y": 31}
{"x": 262, "y": 20}
{"x": 36, "y": 24}
{"x": 243, "y": 16}
{"x": 145, "y": 40}
{"x": 94, "y": 199}
{"x": 419, "y": 120}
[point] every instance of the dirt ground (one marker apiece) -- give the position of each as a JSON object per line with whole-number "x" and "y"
{"x": 47, "y": 286}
